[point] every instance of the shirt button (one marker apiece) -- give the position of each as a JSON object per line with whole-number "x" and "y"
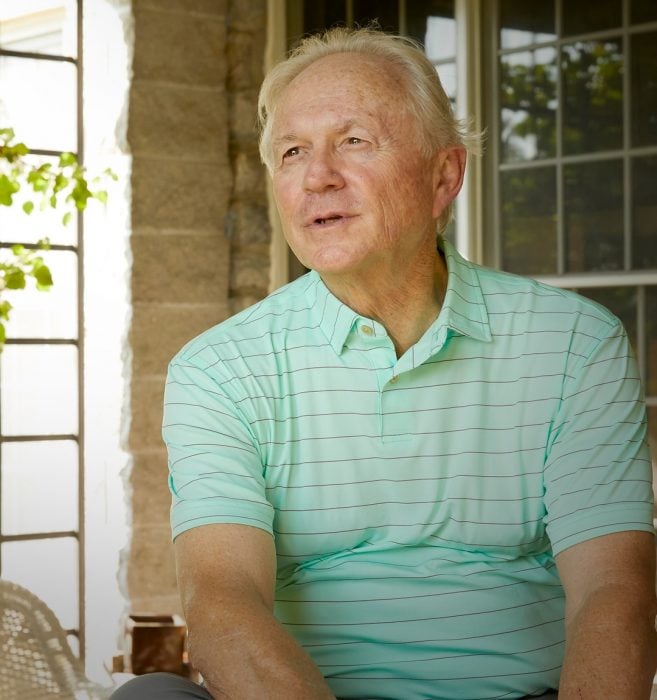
{"x": 367, "y": 330}
{"x": 394, "y": 378}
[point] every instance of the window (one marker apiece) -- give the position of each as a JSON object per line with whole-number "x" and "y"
{"x": 572, "y": 155}
{"x": 41, "y": 423}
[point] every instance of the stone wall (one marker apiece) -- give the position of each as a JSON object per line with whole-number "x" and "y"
{"x": 200, "y": 244}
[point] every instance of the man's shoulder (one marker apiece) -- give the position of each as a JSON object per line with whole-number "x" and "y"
{"x": 273, "y": 315}
{"x": 515, "y": 293}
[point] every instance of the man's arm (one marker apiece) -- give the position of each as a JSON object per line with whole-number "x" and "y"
{"x": 226, "y": 575}
{"x": 611, "y": 646}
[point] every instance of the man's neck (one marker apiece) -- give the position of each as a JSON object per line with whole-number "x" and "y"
{"x": 405, "y": 301}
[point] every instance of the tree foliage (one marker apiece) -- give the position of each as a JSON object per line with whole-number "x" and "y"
{"x": 62, "y": 185}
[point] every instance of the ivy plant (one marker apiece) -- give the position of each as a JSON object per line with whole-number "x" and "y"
{"x": 63, "y": 185}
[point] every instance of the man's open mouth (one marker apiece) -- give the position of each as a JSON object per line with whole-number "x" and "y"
{"x": 328, "y": 219}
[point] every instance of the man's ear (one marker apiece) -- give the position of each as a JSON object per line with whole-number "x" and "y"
{"x": 449, "y": 169}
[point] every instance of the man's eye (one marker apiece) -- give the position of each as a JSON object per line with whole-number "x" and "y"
{"x": 354, "y": 140}
{"x": 291, "y": 152}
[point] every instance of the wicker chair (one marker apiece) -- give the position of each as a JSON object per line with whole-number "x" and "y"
{"x": 36, "y": 661}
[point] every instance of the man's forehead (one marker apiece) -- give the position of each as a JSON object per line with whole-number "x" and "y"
{"x": 338, "y": 84}
{"x": 346, "y": 67}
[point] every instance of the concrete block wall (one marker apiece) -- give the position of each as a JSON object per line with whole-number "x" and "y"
{"x": 200, "y": 243}
{"x": 248, "y": 223}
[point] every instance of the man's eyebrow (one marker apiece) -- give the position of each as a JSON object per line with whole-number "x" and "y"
{"x": 285, "y": 138}
{"x": 292, "y": 137}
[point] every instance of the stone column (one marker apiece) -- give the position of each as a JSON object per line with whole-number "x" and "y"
{"x": 200, "y": 231}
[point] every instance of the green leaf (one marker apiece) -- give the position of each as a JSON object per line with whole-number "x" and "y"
{"x": 3, "y": 335}
{"x": 66, "y": 219}
{"x": 28, "y": 207}
{"x": 7, "y": 189}
{"x": 15, "y": 278}
{"x": 101, "y": 196}
{"x": 7, "y": 134}
{"x": 81, "y": 194}
{"x": 61, "y": 181}
{"x": 67, "y": 159}
{"x": 43, "y": 277}
{"x": 5, "y": 308}
{"x": 38, "y": 182}
{"x": 20, "y": 149}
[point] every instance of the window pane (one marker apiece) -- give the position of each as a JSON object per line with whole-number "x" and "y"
{"x": 585, "y": 17}
{"x": 644, "y": 212}
{"x": 643, "y": 11}
{"x": 51, "y": 314}
{"x": 39, "y": 390}
{"x": 593, "y": 96}
{"x": 432, "y": 23}
{"x": 651, "y": 349}
{"x": 593, "y": 221}
{"x": 44, "y": 26}
{"x": 318, "y": 15}
{"x": 528, "y": 201}
{"x": 39, "y": 487}
{"x": 523, "y": 23}
{"x": 440, "y": 38}
{"x": 528, "y": 104}
{"x": 17, "y": 227}
{"x": 622, "y": 302}
{"x": 644, "y": 88}
{"x": 49, "y": 569}
{"x": 447, "y": 72}
{"x": 652, "y": 440}
{"x": 38, "y": 100}
{"x": 311, "y": 16}
{"x": 386, "y": 12}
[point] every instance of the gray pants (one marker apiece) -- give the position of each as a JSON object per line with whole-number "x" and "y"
{"x": 168, "y": 686}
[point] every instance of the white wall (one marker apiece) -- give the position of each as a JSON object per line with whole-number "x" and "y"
{"x": 107, "y": 68}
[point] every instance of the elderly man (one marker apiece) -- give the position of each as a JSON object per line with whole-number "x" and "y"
{"x": 403, "y": 475}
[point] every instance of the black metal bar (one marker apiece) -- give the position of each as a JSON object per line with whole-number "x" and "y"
{"x": 38, "y": 56}
{"x": 41, "y": 341}
{"x": 36, "y": 246}
{"x": 31, "y": 536}
{"x": 38, "y": 438}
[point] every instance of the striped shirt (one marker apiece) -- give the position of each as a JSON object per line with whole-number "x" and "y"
{"x": 417, "y": 503}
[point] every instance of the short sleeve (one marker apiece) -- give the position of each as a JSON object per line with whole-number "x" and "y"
{"x": 215, "y": 469}
{"x": 597, "y": 475}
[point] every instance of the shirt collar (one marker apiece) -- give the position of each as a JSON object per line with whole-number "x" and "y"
{"x": 332, "y": 316}
{"x": 463, "y": 310}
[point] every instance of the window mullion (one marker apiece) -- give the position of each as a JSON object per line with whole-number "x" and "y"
{"x": 627, "y": 162}
{"x": 469, "y": 236}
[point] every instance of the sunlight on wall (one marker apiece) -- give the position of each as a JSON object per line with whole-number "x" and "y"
{"x": 107, "y": 65}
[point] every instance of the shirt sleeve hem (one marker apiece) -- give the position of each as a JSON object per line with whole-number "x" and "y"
{"x": 616, "y": 520}
{"x": 198, "y": 521}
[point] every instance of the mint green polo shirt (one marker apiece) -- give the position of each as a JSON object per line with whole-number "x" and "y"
{"x": 417, "y": 504}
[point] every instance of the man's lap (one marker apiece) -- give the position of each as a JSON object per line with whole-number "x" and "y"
{"x": 153, "y": 686}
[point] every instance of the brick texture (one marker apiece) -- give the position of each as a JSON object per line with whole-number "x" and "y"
{"x": 200, "y": 242}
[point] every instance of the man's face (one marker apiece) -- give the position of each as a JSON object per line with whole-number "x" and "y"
{"x": 352, "y": 188}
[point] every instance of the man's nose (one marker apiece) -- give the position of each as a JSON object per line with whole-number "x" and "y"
{"x": 322, "y": 172}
